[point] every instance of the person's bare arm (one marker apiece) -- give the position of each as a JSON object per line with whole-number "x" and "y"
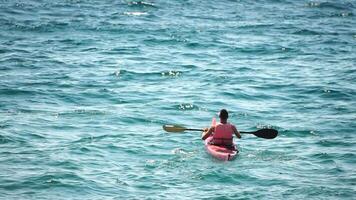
{"x": 237, "y": 133}
{"x": 207, "y": 132}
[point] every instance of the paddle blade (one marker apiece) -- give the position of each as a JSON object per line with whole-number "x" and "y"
{"x": 266, "y": 133}
{"x": 173, "y": 128}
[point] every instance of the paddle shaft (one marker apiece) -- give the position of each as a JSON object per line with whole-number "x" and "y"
{"x": 195, "y": 129}
{"x": 245, "y": 132}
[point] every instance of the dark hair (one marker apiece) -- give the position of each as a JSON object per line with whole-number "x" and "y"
{"x": 223, "y": 114}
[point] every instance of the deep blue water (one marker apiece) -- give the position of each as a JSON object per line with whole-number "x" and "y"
{"x": 85, "y": 87}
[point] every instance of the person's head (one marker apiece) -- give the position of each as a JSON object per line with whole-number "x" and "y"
{"x": 223, "y": 114}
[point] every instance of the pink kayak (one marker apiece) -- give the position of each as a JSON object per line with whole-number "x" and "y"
{"x": 220, "y": 152}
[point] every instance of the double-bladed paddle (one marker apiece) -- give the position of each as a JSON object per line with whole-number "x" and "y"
{"x": 266, "y": 133}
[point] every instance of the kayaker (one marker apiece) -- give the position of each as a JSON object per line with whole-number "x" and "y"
{"x": 222, "y": 132}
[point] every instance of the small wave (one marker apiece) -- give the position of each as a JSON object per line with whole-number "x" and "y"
{"x": 256, "y": 26}
{"x": 121, "y": 182}
{"x": 179, "y": 151}
{"x": 163, "y": 41}
{"x": 187, "y": 106}
{"x": 307, "y": 32}
{"x": 3, "y": 51}
{"x": 90, "y": 139}
{"x": 333, "y": 143}
{"x": 141, "y": 4}
{"x": 66, "y": 164}
{"x": 322, "y": 156}
{"x": 90, "y": 49}
{"x": 36, "y": 26}
{"x": 13, "y": 59}
{"x": 349, "y": 157}
{"x": 262, "y": 126}
{"x": 171, "y": 73}
{"x": 16, "y": 92}
{"x": 191, "y": 66}
{"x": 18, "y": 140}
{"x": 259, "y": 49}
{"x": 5, "y": 139}
{"x": 206, "y": 18}
{"x": 126, "y": 73}
{"x": 135, "y": 13}
{"x": 123, "y": 50}
{"x": 313, "y": 4}
{"x": 83, "y": 111}
{"x": 297, "y": 133}
{"x": 337, "y": 95}
{"x": 33, "y": 136}
{"x": 344, "y": 14}
{"x": 331, "y": 5}
{"x": 80, "y": 150}
{"x": 4, "y": 126}
{"x": 130, "y": 75}
{"x": 151, "y": 164}
{"x": 45, "y": 181}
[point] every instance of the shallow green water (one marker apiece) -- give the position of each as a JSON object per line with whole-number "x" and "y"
{"x": 85, "y": 87}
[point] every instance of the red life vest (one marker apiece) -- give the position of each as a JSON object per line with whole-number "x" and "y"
{"x": 223, "y": 134}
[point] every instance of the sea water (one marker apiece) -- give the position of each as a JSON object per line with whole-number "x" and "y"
{"x": 86, "y": 85}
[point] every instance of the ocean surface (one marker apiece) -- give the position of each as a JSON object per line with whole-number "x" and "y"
{"x": 86, "y": 85}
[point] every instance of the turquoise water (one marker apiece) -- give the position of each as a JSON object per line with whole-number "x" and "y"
{"x": 85, "y": 87}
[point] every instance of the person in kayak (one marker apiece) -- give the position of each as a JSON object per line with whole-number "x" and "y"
{"x": 222, "y": 132}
